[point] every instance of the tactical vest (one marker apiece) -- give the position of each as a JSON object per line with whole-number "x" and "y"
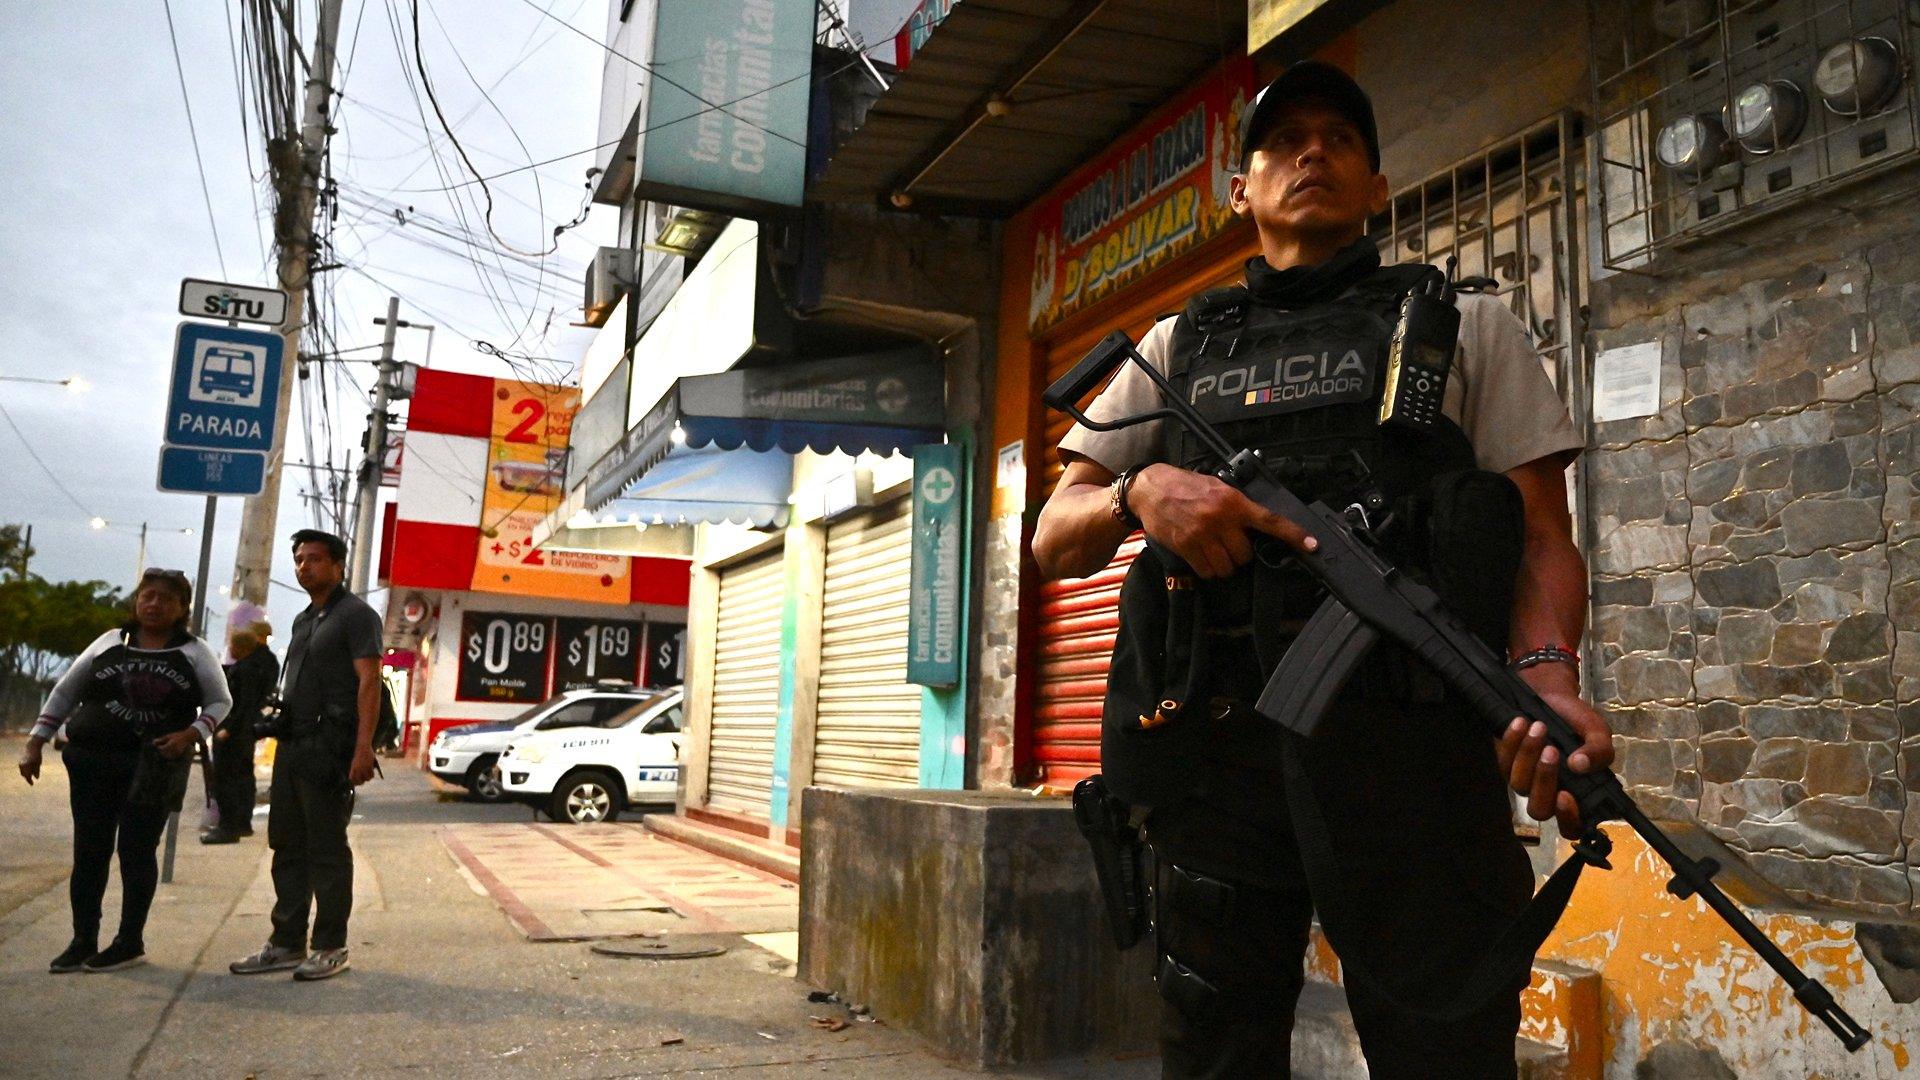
{"x": 1304, "y": 388}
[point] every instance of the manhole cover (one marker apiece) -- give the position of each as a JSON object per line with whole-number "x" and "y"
{"x": 655, "y": 950}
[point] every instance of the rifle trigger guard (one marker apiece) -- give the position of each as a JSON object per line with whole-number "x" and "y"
{"x": 1593, "y": 849}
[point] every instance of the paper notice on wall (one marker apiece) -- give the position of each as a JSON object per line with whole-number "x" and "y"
{"x": 1626, "y": 382}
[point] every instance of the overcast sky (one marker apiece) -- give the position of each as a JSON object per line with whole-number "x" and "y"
{"x": 103, "y": 215}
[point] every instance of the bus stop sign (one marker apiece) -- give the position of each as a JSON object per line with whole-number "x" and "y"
{"x": 226, "y": 387}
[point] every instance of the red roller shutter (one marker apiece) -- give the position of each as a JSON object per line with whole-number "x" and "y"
{"x": 1075, "y": 620}
{"x": 1078, "y": 619}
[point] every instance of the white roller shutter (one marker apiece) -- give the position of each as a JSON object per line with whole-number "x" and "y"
{"x": 746, "y": 686}
{"x": 867, "y": 725}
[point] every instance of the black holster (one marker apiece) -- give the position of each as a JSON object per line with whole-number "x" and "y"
{"x": 1107, "y": 824}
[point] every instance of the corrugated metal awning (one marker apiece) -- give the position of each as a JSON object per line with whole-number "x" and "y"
{"x": 1075, "y": 73}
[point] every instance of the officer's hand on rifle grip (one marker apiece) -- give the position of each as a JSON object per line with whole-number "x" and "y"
{"x": 1205, "y": 520}
{"x": 1532, "y": 767}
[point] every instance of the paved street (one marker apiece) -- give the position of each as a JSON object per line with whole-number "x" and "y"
{"x": 442, "y": 980}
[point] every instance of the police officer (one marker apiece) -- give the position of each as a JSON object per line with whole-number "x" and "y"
{"x": 1392, "y": 823}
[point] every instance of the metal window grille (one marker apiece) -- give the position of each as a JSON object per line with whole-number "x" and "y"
{"x": 1504, "y": 213}
{"x": 1658, "y": 63}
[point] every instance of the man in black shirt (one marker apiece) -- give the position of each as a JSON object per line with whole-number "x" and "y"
{"x": 329, "y": 705}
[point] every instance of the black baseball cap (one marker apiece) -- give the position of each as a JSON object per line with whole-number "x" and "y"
{"x": 1310, "y": 80}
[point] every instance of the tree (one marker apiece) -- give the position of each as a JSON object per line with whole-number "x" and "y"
{"x": 45, "y": 623}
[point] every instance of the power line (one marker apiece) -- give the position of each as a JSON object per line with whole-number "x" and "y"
{"x": 35, "y": 455}
{"x": 399, "y": 36}
{"x": 193, "y": 133}
{"x": 426, "y": 83}
{"x": 655, "y": 72}
{"x": 721, "y": 107}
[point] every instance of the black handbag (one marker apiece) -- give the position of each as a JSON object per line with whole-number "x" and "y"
{"x": 159, "y": 782}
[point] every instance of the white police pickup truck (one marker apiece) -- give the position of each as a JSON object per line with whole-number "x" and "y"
{"x": 466, "y": 754}
{"x": 591, "y": 771}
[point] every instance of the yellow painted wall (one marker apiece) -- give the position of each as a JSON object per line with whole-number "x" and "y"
{"x": 1672, "y": 971}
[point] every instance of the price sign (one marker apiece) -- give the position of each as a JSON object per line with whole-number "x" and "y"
{"x": 593, "y": 649}
{"x": 503, "y": 658}
{"x": 666, "y": 654}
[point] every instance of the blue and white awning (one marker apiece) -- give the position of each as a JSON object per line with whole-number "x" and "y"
{"x": 720, "y": 447}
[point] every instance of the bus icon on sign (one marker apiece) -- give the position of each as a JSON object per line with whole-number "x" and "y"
{"x": 226, "y": 374}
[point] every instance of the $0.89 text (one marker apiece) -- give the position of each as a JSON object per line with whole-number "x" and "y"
{"x": 495, "y": 645}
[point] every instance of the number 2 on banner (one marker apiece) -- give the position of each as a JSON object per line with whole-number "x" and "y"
{"x": 534, "y": 413}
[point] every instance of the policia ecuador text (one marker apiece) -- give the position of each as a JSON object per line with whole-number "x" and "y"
{"x": 1356, "y": 506}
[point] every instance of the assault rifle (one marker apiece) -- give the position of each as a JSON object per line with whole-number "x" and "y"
{"x": 1368, "y": 598}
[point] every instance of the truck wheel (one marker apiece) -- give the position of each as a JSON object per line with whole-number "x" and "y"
{"x": 483, "y": 779}
{"x": 585, "y": 797}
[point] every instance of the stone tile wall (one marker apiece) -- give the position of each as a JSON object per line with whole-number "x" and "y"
{"x": 1756, "y": 561}
{"x": 998, "y": 652}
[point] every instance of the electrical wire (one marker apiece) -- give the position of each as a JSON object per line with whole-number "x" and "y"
{"x": 721, "y": 107}
{"x": 37, "y": 460}
{"x": 246, "y": 139}
{"x": 193, "y": 133}
{"x": 427, "y": 84}
{"x": 656, "y": 73}
{"x": 459, "y": 210}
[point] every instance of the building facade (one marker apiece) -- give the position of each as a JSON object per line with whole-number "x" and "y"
{"x": 1698, "y": 210}
{"x": 770, "y": 377}
{"x": 494, "y": 624}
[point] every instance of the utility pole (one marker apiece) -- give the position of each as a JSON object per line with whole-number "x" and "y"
{"x": 296, "y": 181}
{"x": 368, "y": 502}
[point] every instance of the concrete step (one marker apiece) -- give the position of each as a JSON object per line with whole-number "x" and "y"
{"x": 1561, "y": 1010}
{"x": 757, "y": 852}
{"x": 1325, "y": 1046}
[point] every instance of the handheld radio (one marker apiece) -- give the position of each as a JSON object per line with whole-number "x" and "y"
{"x": 1420, "y": 357}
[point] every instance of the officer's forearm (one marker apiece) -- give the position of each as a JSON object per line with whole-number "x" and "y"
{"x": 1550, "y": 605}
{"x": 1077, "y": 533}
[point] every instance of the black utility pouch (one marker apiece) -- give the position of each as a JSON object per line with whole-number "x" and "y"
{"x": 1159, "y": 697}
{"x": 1476, "y": 534}
{"x": 1161, "y": 653}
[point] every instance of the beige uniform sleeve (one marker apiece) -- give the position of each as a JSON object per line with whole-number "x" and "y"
{"x": 1128, "y": 394}
{"x": 1500, "y": 394}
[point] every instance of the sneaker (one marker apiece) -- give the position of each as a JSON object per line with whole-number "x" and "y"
{"x": 73, "y": 958}
{"x": 323, "y": 964}
{"x": 269, "y": 958}
{"x": 118, "y": 955}
{"x": 219, "y": 836}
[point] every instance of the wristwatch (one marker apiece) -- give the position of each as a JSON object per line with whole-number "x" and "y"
{"x": 1117, "y": 498}
{"x": 1549, "y": 653}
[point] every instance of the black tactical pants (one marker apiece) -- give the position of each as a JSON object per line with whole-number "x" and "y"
{"x": 1233, "y": 911}
{"x": 309, "y": 805}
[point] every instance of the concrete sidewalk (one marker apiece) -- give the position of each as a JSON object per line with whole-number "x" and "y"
{"x": 441, "y": 979}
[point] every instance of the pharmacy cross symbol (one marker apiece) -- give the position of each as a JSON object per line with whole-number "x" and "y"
{"x": 937, "y": 486}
